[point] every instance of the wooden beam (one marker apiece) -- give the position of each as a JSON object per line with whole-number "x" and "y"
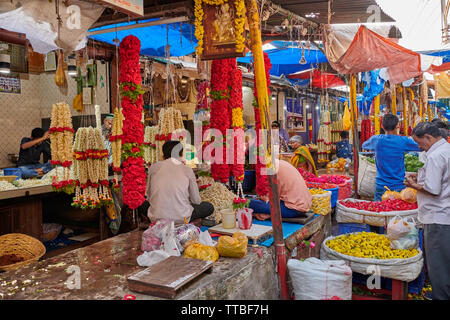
{"x": 182, "y": 8}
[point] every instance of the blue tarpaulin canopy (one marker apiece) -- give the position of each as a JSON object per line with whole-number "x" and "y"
{"x": 180, "y": 37}
{"x": 285, "y": 58}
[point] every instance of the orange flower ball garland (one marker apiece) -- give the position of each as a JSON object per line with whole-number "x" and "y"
{"x": 61, "y": 140}
{"x": 90, "y": 169}
{"x": 116, "y": 146}
{"x": 238, "y": 22}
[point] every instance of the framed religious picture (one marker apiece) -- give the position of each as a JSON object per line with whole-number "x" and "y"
{"x": 220, "y": 29}
{"x": 50, "y": 61}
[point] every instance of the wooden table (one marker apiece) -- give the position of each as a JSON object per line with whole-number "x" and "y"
{"x": 22, "y": 211}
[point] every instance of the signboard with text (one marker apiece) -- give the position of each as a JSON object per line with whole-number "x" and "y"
{"x": 131, "y": 7}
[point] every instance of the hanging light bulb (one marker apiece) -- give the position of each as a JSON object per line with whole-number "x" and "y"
{"x": 72, "y": 66}
{"x": 5, "y": 63}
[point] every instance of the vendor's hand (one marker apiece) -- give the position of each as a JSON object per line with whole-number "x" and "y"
{"x": 46, "y": 135}
{"x": 411, "y": 182}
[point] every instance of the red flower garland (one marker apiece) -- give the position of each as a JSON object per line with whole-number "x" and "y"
{"x": 262, "y": 187}
{"x": 134, "y": 177}
{"x": 220, "y": 112}
{"x": 237, "y": 169}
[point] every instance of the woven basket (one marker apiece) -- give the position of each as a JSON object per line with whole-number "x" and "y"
{"x": 21, "y": 245}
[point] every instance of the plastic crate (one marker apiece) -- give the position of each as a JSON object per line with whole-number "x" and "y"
{"x": 352, "y": 227}
{"x": 13, "y": 172}
{"x": 334, "y": 196}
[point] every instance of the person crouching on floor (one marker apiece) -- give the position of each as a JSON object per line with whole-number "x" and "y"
{"x": 295, "y": 198}
{"x": 172, "y": 189}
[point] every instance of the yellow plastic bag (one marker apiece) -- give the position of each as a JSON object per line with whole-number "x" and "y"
{"x": 346, "y": 120}
{"x": 409, "y": 195}
{"x": 390, "y": 195}
{"x": 77, "y": 102}
{"x": 233, "y": 247}
{"x": 201, "y": 252}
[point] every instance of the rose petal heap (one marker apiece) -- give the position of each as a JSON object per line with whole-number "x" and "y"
{"x": 134, "y": 176}
{"x": 61, "y": 139}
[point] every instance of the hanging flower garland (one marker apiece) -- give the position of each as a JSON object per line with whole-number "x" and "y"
{"x": 238, "y": 22}
{"x": 237, "y": 122}
{"x": 262, "y": 187}
{"x": 150, "y": 151}
{"x": 134, "y": 176}
{"x": 90, "y": 169}
{"x": 61, "y": 140}
{"x": 221, "y": 71}
{"x": 202, "y": 109}
{"x": 116, "y": 146}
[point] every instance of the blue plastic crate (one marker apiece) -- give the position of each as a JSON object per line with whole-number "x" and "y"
{"x": 352, "y": 227}
{"x": 334, "y": 196}
{"x": 13, "y": 172}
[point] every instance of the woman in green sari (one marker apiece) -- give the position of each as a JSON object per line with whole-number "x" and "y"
{"x": 302, "y": 157}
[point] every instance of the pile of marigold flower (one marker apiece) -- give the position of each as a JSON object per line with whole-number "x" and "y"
{"x": 368, "y": 245}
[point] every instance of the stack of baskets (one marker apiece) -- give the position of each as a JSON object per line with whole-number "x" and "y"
{"x": 21, "y": 245}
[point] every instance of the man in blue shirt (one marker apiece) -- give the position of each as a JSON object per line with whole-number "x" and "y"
{"x": 390, "y": 151}
{"x": 30, "y": 154}
{"x": 343, "y": 148}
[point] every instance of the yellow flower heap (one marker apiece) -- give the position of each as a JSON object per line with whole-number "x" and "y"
{"x": 368, "y": 245}
{"x": 238, "y": 23}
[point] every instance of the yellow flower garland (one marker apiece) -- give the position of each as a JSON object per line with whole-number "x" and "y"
{"x": 237, "y": 117}
{"x": 239, "y": 22}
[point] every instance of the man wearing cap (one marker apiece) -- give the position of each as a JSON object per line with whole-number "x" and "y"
{"x": 106, "y": 132}
{"x": 107, "y": 126}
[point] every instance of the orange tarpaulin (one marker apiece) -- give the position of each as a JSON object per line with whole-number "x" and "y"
{"x": 370, "y": 51}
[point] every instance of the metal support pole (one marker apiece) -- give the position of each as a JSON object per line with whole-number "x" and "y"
{"x": 263, "y": 104}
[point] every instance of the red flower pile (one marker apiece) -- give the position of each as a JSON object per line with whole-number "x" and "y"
{"x": 380, "y": 206}
{"x": 134, "y": 177}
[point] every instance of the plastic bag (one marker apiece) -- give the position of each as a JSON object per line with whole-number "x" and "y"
{"x": 315, "y": 279}
{"x": 77, "y": 103}
{"x": 346, "y": 120}
{"x": 233, "y": 247}
{"x": 409, "y": 195}
{"x": 205, "y": 238}
{"x": 187, "y": 232}
{"x": 152, "y": 238}
{"x": 402, "y": 233}
{"x": 199, "y": 251}
{"x": 390, "y": 195}
{"x": 150, "y": 258}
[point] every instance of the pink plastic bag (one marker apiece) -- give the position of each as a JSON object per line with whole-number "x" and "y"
{"x": 152, "y": 237}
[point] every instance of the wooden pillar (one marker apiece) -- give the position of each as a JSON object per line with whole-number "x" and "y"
{"x": 263, "y": 104}
{"x": 377, "y": 114}
{"x": 354, "y": 117}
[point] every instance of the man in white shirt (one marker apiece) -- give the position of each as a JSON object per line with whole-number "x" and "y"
{"x": 433, "y": 198}
{"x": 172, "y": 189}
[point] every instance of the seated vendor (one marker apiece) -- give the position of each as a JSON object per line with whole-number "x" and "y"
{"x": 30, "y": 154}
{"x": 295, "y": 198}
{"x": 302, "y": 157}
{"x": 172, "y": 189}
{"x": 344, "y": 149}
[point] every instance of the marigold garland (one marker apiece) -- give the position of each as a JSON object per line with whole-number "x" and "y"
{"x": 262, "y": 186}
{"x": 134, "y": 176}
{"x": 238, "y": 22}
